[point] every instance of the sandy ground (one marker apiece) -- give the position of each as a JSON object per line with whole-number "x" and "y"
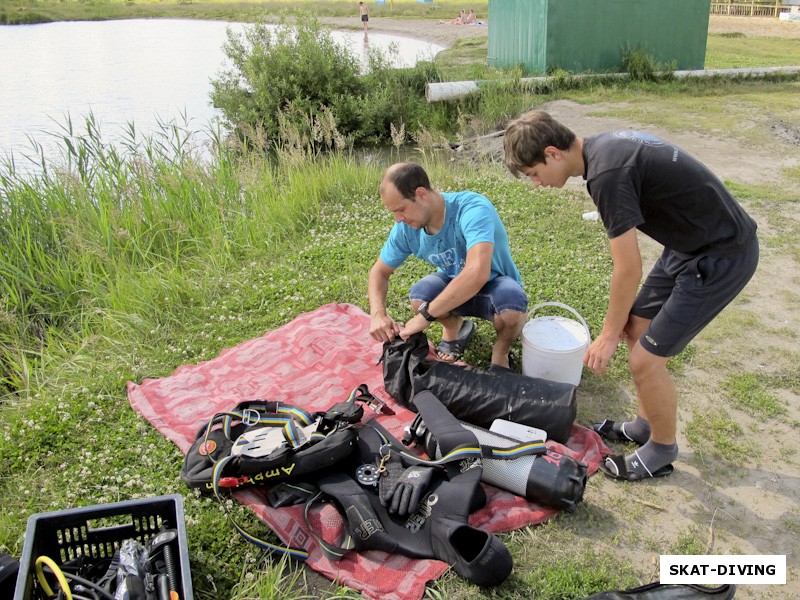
{"x": 750, "y": 508}
{"x": 747, "y": 508}
{"x": 754, "y": 27}
{"x": 423, "y": 29}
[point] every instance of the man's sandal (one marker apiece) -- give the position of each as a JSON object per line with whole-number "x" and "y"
{"x": 455, "y": 348}
{"x": 616, "y": 468}
{"x": 612, "y": 431}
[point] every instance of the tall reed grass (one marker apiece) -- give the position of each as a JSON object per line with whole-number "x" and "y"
{"x": 117, "y": 228}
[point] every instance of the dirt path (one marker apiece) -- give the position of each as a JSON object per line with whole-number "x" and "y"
{"x": 754, "y": 27}
{"x": 750, "y": 504}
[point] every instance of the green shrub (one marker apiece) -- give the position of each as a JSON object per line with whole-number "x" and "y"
{"x": 299, "y": 66}
{"x": 641, "y": 66}
{"x": 285, "y": 83}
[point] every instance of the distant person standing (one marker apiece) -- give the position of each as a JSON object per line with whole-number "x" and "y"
{"x": 362, "y": 9}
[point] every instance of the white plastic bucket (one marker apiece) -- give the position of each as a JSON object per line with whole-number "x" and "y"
{"x": 553, "y": 347}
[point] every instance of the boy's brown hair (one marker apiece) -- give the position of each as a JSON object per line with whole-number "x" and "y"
{"x": 527, "y": 136}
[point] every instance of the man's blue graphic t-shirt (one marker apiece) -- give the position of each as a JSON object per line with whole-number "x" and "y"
{"x": 469, "y": 219}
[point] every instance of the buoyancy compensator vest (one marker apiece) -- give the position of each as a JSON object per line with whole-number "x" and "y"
{"x": 387, "y": 509}
{"x": 267, "y": 442}
{"x": 264, "y": 442}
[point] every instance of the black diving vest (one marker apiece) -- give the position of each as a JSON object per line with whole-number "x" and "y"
{"x": 438, "y": 527}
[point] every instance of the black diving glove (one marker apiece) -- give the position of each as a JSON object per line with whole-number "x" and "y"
{"x": 401, "y": 490}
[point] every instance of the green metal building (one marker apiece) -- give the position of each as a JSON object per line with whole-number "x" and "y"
{"x": 591, "y": 35}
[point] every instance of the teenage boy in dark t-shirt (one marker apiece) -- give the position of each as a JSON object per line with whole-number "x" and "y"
{"x": 640, "y": 182}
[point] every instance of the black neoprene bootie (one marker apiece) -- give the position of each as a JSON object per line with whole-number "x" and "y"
{"x": 659, "y": 591}
{"x": 478, "y": 556}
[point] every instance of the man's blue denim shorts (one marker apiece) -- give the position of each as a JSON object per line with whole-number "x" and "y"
{"x": 498, "y": 295}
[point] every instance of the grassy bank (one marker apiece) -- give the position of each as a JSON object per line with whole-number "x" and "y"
{"x": 466, "y": 60}
{"x": 150, "y": 264}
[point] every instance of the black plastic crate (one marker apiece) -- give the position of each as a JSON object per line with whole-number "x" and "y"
{"x": 97, "y": 532}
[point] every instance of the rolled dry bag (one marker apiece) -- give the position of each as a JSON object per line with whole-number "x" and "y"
{"x": 552, "y": 478}
{"x": 475, "y": 396}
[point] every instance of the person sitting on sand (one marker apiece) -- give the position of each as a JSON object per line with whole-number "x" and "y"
{"x": 459, "y": 20}
{"x": 470, "y": 18}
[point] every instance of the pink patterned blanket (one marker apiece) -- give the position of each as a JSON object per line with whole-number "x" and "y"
{"x": 314, "y": 361}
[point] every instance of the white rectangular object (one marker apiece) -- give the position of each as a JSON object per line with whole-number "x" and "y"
{"x": 518, "y": 431}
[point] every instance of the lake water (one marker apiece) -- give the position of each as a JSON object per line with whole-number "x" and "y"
{"x": 144, "y": 71}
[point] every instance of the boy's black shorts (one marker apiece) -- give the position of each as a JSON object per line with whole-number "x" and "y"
{"x": 682, "y": 294}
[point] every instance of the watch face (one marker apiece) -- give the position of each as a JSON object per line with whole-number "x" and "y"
{"x": 423, "y": 310}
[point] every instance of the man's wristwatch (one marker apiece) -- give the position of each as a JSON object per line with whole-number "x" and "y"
{"x": 423, "y": 310}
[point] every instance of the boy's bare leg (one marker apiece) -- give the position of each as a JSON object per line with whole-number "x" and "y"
{"x": 657, "y": 403}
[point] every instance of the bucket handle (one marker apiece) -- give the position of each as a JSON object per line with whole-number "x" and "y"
{"x": 566, "y": 307}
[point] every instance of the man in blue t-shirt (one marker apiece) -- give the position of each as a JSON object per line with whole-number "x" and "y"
{"x": 460, "y": 234}
{"x": 641, "y": 183}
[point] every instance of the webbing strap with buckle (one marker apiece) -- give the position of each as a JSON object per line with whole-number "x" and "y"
{"x": 284, "y": 416}
{"x": 487, "y": 451}
{"x": 297, "y": 553}
{"x": 331, "y": 551}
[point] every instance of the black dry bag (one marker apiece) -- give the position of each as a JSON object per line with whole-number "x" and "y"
{"x": 476, "y": 396}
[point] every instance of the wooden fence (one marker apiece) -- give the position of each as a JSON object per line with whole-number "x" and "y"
{"x": 743, "y": 8}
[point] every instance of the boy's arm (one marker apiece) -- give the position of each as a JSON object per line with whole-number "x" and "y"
{"x": 625, "y": 279}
